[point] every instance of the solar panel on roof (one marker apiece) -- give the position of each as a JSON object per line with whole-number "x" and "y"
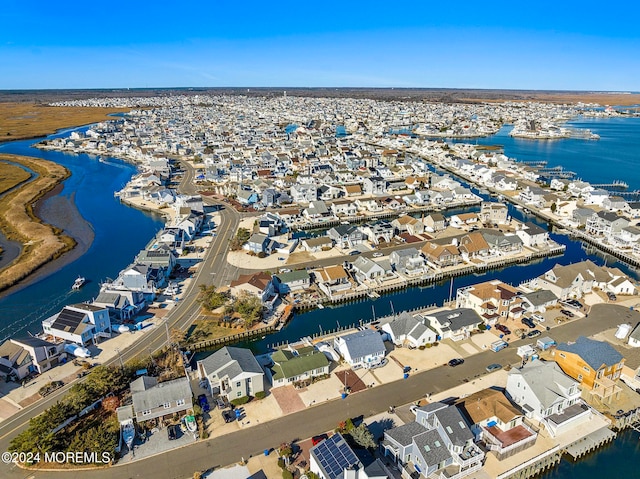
{"x": 69, "y": 318}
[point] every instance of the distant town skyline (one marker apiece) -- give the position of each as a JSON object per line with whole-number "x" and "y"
{"x": 550, "y": 46}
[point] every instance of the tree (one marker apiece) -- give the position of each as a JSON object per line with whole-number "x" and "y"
{"x": 210, "y": 297}
{"x": 241, "y": 237}
{"x": 554, "y": 207}
{"x": 249, "y": 307}
{"x": 363, "y": 437}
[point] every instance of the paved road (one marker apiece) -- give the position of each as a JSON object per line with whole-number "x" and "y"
{"x": 220, "y": 451}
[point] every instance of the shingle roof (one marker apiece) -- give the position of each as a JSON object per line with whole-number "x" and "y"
{"x": 404, "y": 434}
{"x": 232, "y": 362}
{"x": 594, "y": 353}
{"x": 363, "y": 343}
{"x": 290, "y": 365}
{"x": 431, "y": 447}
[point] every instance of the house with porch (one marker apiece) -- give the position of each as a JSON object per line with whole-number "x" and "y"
{"x": 365, "y": 269}
{"x": 232, "y": 372}
{"x": 408, "y": 261}
{"x": 492, "y": 300}
{"x": 346, "y": 236}
{"x": 332, "y": 280}
{"x": 532, "y": 235}
{"x": 297, "y": 280}
{"x": 473, "y": 245}
{"x": 546, "y": 394}
{"x": 344, "y": 208}
{"x": 569, "y": 281}
{"x": 497, "y": 423}
{"x": 441, "y": 255}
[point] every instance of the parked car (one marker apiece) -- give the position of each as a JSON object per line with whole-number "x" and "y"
{"x": 228, "y": 416}
{"x": 204, "y": 404}
{"x": 172, "y": 433}
{"x": 503, "y": 328}
{"x": 318, "y": 439}
{"x": 354, "y": 252}
{"x": 456, "y": 362}
{"x": 221, "y": 403}
{"x": 567, "y": 313}
{"x": 528, "y": 322}
{"x": 533, "y": 334}
{"x": 378, "y": 254}
{"x": 611, "y": 296}
{"x": 538, "y": 317}
{"x": 493, "y": 367}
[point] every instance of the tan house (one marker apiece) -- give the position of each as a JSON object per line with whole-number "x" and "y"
{"x": 492, "y": 300}
{"x": 441, "y": 255}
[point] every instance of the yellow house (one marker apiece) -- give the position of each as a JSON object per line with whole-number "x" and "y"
{"x": 595, "y": 364}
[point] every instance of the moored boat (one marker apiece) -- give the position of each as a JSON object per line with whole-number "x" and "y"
{"x": 78, "y": 283}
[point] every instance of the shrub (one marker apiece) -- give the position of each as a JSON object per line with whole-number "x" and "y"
{"x": 240, "y": 401}
{"x": 482, "y": 327}
{"x": 287, "y": 474}
{"x": 281, "y": 463}
{"x": 261, "y": 395}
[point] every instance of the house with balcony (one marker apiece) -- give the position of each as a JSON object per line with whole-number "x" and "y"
{"x": 492, "y": 300}
{"x": 344, "y": 208}
{"x": 497, "y": 423}
{"x": 154, "y": 400}
{"x": 500, "y": 243}
{"x": 361, "y": 349}
{"x": 346, "y": 236}
{"x": 23, "y": 356}
{"x": 292, "y": 281}
{"x": 379, "y": 233}
{"x": 232, "y": 372}
{"x": 546, "y": 394}
{"x": 374, "y": 185}
{"x": 596, "y": 365}
{"x": 569, "y": 281}
{"x": 606, "y": 224}
{"x": 533, "y": 195}
{"x": 532, "y": 235}
{"x": 441, "y": 255}
{"x": 257, "y": 284}
{"x": 303, "y": 193}
{"x": 473, "y": 245}
{"x": 79, "y": 323}
{"x": 493, "y": 213}
{"x": 435, "y": 222}
{"x": 439, "y": 443}
{"x": 408, "y": 224}
{"x": 408, "y": 261}
{"x": 332, "y": 280}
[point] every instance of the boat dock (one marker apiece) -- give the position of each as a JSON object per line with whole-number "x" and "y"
{"x": 615, "y": 185}
{"x": 590, "y": 443}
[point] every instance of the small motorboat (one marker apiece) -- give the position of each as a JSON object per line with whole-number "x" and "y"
{"x": 190, "y": 423}
{"x": 128, "y": 433}
{"x": 78, "y": 283}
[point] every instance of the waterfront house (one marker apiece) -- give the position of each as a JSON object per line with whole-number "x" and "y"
{"x": 379, "y": 232}
{"x": 497, "y": 423}
{"x": 365, "y": 269}
{"x": 408, "y": 261}
{"x": 410, "y": 331}
{"x": 292, "y": 281}
{"x": 473, "y": 245}
{"x": 344, "y": 208}
{"x": 627, "y": 238}
{"x": 605, "y": 223}
{"x": 546, "y": 394}
{"x": 532, "y": 195}
{"x": 580, "y": 216}
{"x": 493, "y": 213}
{"x": 258, "y": 284}
{"x": 492, "y": 300}
{"x": 435, "y": 222}
{"x": 408, "y": 224}
{"x": 441, "y": 255}
{"x": 139, "y": 277}
{"x": 569, "y": 281}
{"x": 368, "y": 204}
{"x": 332, "y": 280}
{"x": 160, "y": 257}
{"x": 304, "y": 193}
{"x": 346, "y": 236}
{"x": 79, "y": 323}
{"x": 120, "y": 304}
{"x": 154, "y": 400}
{"x": 292, "y": 366}
{"x": 455, "y": 324}
{"x": 361, "y": 348}
{"x": 439, "y": 439}
{"x": 232, "y": 372}
{"x": 596, "y": 365}
{"x": 500, "y": 243}
{"x": 316, "y": 210}
{"x": 463, "y": 219}
{"x": 532, "y": 235}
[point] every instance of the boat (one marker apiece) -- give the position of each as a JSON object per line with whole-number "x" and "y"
{"x": 190, "y": 423}
{"x": 128, "y": 432}
{"x": 78, "y": 283}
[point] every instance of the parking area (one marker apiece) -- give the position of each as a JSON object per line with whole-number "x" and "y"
{"x": 155, "y": 442}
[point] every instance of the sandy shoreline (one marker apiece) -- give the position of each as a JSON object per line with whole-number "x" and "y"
{"x": 61, "y": 212}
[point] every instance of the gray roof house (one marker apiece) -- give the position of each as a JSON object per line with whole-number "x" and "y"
{"x": 153, "y": 400}
{"x": 440, "y": 438}
{"x": 408, "y": 330}
{"x": 361, "y": 349}
{"x": 233, "y": 372}
{"x": 408, "y": 261}
{"x": 455, "y": 324}
{"x": 545, "y": 393}
{"x": 539, "y": 300}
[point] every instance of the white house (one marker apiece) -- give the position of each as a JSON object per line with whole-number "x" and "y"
{"x": 408, "y": 330}
{"x": 232, "y": 372}
{"x": 361, "y": 349}
{"x": 79, "y": 323}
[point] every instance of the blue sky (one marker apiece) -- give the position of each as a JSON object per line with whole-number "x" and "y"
{"x": 186, "y": 43}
